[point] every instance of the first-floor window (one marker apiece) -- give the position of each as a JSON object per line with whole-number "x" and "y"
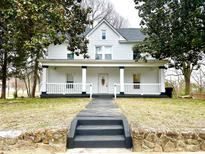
{"x": 70, "y": 81}
{"x": 136, "y": 81}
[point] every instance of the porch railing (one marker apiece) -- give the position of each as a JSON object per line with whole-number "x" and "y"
{"x": 140, "y": 89}
{"x": 68, "y": 88}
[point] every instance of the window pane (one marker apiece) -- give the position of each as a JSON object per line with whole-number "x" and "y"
{"x": 69, "y": 80}
{"x": 108, "y": 57}
{"x": 70, "y": 56}
{"x": 136, "y": 81}
{"x": 108, "y": 49}
{"x": 103, "y": 34}
{"x": 98, "y": 49}
{"x": 98, "y": 56}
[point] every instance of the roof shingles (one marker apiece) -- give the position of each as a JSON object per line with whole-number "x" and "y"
{"x": 130, "y": 34}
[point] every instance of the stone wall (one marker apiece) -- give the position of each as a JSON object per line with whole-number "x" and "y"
{"x": 150, "y": 140}
{"x": 50, "y": 139}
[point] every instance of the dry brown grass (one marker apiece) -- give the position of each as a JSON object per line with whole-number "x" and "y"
{"x": 164, "y": 113}
{"x": 28, "y": 114}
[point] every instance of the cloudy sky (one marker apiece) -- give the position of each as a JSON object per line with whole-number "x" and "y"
{"x": 126, "y": 9}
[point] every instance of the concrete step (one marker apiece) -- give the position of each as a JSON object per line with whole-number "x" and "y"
{"x": 100, "y": 122}
{"x": 100, "y": 130}
{"x": 99, "y": 141}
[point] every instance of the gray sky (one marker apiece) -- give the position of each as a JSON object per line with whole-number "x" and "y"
{"x": 126, "y": 9}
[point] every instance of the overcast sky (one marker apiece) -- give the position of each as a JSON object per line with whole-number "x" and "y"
{"x": 126, "y": 9}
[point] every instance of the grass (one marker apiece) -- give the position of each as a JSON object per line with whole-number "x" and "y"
{"x": 174, "y": 114}
{"x": 28, "y": 114}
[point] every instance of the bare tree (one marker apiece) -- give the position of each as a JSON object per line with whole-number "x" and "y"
{"x": 199, "y": 79}
{"x": 103, "y": 9}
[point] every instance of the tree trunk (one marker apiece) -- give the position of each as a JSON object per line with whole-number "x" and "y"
{"x": 4, "y": 76}
{"x": 187, "y": 76}
{"x": 35, "y": 78}
{"x": 16, "y": 88}
{"x": 27, "y": 88}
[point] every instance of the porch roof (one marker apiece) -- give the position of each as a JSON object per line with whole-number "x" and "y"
{"x": 102, "y": 63}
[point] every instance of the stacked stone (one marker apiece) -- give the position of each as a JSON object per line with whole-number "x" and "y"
{"x": 168, "y": 141}
{"x": 51, "y": 139}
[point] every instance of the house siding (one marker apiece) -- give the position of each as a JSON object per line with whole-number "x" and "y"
{"x": 120, "y": 51}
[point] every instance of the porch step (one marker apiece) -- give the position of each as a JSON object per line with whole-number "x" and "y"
{"x": 99, "y": 141}
{"x": 100, "y": 125}
{"x": 99, "y": 121}
{"x": 99, "y": 129}
{"x": 99, "y": 132}
{"x": 103, "y": 96}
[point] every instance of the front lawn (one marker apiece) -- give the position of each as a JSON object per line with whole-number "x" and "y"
{"x": 176, "y": 114}
{"x": 28, "y": 114}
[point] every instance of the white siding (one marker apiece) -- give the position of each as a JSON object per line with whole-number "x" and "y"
{"x": 120, "y": 51}
{"x": 60, "y": 52}
{"x": 58, "y": 74}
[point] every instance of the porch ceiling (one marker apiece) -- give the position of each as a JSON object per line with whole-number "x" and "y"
{"x": 102, "y": 63}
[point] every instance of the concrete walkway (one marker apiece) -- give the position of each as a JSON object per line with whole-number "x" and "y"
{"x": 101, "y": 107}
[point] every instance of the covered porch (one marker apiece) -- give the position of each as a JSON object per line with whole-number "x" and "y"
{"x": 88, "y": 78}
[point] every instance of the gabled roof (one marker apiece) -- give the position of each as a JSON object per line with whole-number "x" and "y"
{"x": 99, "y": 24}
{"x": 130, "y": 34}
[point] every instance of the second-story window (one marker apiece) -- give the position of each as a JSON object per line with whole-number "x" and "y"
{"x": 70, "y": 56}
{"x": 103, "y": 52}
{"x": 104, "y": 36}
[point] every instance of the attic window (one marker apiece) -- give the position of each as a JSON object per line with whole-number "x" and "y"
{"x": 103, "y": 34}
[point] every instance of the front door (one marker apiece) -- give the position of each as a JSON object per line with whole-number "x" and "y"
{"x": 103, "y": 83}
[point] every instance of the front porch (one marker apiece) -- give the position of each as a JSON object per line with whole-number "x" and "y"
{"x": 116, "y": 80}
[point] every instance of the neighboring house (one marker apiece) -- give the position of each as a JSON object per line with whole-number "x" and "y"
{"x": 109, "y": 70}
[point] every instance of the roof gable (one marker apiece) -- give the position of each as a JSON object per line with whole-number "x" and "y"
{"x": 89, "y": 31}
{"x": 129, "y": 34}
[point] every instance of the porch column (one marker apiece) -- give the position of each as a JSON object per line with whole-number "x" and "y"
{"x": 161, "y": 79}
{"x": 44, "y": 79}
{"x": 122, "y": 85}
{"x": 84, "y": 74}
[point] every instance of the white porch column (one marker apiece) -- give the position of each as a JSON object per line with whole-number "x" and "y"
{"x": 44, "y": 80}
{"x": 84, "y": 74}
{"x": 162, "y": 79}
{"x": 122, "y": 84}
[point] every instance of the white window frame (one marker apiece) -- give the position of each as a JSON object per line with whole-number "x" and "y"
{"x": 103, "y": 52}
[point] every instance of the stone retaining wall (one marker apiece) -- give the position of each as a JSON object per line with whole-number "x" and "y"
{"x": 50, "y": 139}
{"x": 149, "y": 140}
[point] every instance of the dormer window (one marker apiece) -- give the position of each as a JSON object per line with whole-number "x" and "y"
{"x": 104, "y": 35}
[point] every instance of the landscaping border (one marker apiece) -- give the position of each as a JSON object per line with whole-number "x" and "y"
{"x": 153, "y": 140}
{"x": 49, "y": 139}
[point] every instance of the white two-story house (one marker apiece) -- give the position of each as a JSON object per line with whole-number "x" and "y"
{"x": 110, "y": 68}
